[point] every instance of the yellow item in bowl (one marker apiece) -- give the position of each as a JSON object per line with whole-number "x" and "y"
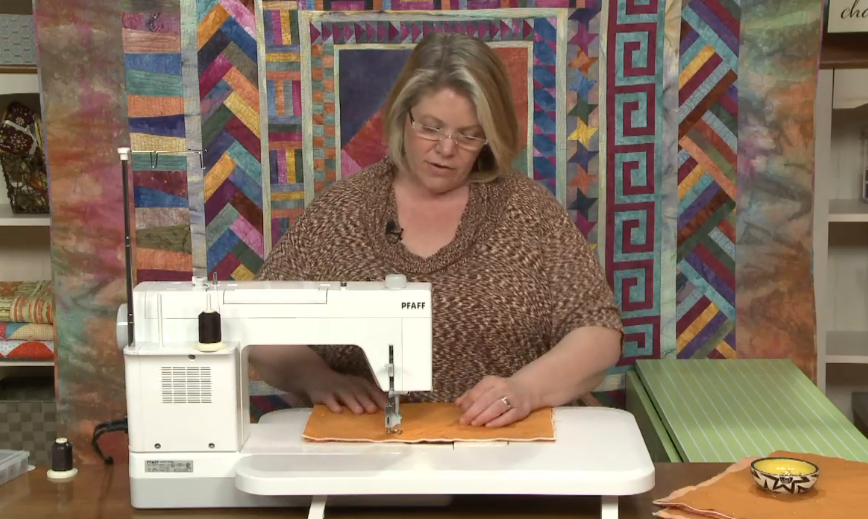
{"x": 784, "y": 475}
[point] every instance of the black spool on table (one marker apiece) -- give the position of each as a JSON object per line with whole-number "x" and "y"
{"x": 62, "y": 461}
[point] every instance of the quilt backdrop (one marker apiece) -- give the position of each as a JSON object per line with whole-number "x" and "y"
{"x": 662, "y": 126}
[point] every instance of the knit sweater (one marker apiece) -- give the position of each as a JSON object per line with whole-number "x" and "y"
{"x": 517, "y": 277}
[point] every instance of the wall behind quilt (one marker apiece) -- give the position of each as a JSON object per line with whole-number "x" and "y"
{"x": 678, "y": 135}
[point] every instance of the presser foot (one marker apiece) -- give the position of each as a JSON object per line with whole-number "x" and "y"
{"x": 393, "y": 416}
{"x": 393, "y": 413}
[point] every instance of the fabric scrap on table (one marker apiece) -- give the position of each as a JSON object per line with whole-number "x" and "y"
{"x": 674, "y": 513}
{"x": 677, "y": 513}
{"x": 733, "y": 494}
{"x": 422, "y": 423}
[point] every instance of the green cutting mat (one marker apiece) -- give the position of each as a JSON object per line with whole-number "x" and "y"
{"x": 723, "y": 410}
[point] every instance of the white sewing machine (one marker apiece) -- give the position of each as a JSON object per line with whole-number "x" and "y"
{"x": 192, "y": 444}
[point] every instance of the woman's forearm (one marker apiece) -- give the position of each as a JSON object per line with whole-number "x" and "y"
{"x": 573, "y": 368}
{"x": 286, "y": 368}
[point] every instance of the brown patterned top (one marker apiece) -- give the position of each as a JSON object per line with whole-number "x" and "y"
{"x": 517, "y": 277}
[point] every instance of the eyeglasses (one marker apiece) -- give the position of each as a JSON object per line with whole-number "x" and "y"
{"x": 430, "y": 133}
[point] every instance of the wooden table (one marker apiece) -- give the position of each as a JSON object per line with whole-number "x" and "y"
{"x": 99, "y": 492}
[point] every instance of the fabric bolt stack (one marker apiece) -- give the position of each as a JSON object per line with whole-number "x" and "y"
{"x": 26, "y": 321}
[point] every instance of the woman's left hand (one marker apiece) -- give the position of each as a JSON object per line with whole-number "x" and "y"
{"x": 495, "y": 402}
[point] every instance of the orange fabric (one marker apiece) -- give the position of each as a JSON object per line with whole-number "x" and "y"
{"x": 674, "y": 513}
{"x": 839, "y": 492}
{"x": 422, "y": 422}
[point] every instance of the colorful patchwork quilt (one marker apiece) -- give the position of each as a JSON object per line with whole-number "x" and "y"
{"x": 629, "y": 113}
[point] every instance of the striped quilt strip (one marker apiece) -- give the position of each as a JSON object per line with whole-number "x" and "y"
{"x": 583, "y": 101}
{"x": 707, "y": 166}
{"x": 155, "y": 101}
{"x": 634, "y": 148}
{"x": 282, "y": 83}
{"x": 231, "y": 138}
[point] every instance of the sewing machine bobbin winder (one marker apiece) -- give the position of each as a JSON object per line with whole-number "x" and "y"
{"x": 192, "y": 444}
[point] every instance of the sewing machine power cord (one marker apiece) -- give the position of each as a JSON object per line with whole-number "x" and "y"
{"x": 104, "y": 428}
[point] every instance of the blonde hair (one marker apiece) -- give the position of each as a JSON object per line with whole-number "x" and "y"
{"x": 470, "y": 67}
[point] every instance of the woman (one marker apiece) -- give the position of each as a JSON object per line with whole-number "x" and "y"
{"x": 523, "y": 317}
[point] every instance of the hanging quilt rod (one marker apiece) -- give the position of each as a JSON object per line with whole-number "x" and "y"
{"x": 154, "y": 155}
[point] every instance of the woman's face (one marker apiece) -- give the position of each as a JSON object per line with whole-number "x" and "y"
{"x": 442, "y": 165}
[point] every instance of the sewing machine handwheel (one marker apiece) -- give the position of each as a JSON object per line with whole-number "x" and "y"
{"x": 121, "y": 327}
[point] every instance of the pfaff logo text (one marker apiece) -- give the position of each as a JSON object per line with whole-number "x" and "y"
{"x": 420, "y": 305}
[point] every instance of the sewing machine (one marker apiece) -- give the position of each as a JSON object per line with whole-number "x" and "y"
{"x": 192, "y": 444}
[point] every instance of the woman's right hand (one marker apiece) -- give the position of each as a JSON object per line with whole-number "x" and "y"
{"x": 336, "y": 391}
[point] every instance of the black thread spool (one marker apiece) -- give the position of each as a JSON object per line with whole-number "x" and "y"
{"x": 210, "y": 326}
{"x": 210, "y": 329}
{"x": 61, "y": 460}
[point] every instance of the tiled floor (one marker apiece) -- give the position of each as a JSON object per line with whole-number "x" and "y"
{"x": 28, "y": 416}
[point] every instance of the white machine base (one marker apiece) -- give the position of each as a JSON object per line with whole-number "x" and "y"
{"x": 598, "y": 452}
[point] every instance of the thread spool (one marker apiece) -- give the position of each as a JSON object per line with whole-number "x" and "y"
{"x": 210, "y": 330}
{"x": 61, "y": 461}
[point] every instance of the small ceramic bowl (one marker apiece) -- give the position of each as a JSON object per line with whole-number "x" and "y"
{"x": 785, "y": 475}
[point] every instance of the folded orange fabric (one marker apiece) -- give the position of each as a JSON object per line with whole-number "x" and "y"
{"x": 422, "y": 422}
{"x": 674, "y": 513}
{"x": 840, "y": 492}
